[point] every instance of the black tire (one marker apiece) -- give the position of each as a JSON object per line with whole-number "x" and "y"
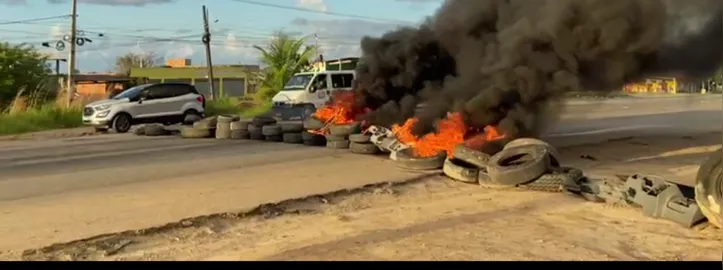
{"x": 363, "y": 148}
{"x": 406, "y": 160}
{"x": 263, "y": 121}
{"x": 709, "y": 188}
{"x": 257, "y": 136}
{"x": 225, "y": 118}
{"x": 275, "y": 138}
{"x": 337, "y": 144}
{"x": 206, "y": 123}
{"x": 312, "y": 123}
{"x": 294, "y": 138}
{"x": 471, "y": 156}
{"x": 344, "y": 129}
{"x": 360, "y": 138}
{"x": 461, "y": 171}
{"x": 240, "y": 125}
{"x": 312, "y": 139}
{"x": 191, "y": 116}
{"x": 195, "y": 133}
{"x": 140, "y": 131}
{"x": 271, "y": 130}
{"x": 155, "y": 130}
{"x": 291, "y": 127}
{"x": 122, "y": 123}
{"x": 254, "y": 128}
{"x": 335, "y": 138}
{"x": 240, "y": 135}
{"x": 502, "y": 172}
{"x": 554, "y": 155}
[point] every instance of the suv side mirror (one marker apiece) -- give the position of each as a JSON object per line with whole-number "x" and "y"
{"x": 312, "y": 89}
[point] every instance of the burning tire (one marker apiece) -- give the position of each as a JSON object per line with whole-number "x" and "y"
{"x": 406, "y": 160}
{"x": 294, "y": 138}
{"x": 194, "y": 133}
{"x": 345, "y": 129}
{"x": 274, "y": 138}
{"x": 240, "y": 135}
{"x": 359, "y": 138}
{"x": 471, "y": 156}
{"x": 263, "y": 121}
{"x": 334, "y": 138}
{"x": 291, "y": 127}
{"x": 554, "y": 155}
{"x": 155, "y": 130}
{"x": 459, "y": 171}
{"x": 271, "y": 130}
{"x": 312, "y": 139}
{"x": 363, "y": 148}
{"x": 556, "y": 181}
{"x": 709, "y": 188}
{"x": 338, "y": 144}
{"x": 312, "y": 123}
{"x": 240, "y": 125}
{"x": 518, "y": 165}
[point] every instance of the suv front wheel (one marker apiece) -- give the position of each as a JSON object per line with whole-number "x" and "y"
{"x": 121, "y": 123}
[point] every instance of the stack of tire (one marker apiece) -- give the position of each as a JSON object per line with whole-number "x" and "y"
{"x": 260, "y": 126}
{"x": 309, "y": 138}
{"x": 240, "y": 130}
{"x": 338, "y": 135}
{"x": 223, "y": 126}
{"x": 292, "y": 132}
{"x": 205, "y": 128}
{"x": 361, "y": 144}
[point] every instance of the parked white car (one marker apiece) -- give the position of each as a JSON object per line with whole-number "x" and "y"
{"x": 165, "y": 103}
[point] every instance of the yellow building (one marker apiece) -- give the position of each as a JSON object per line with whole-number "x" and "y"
{"x": 662, "y": 85}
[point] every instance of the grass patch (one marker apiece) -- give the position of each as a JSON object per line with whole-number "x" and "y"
{"x": 235, "y": 106}
{"x": 43, "y": 118}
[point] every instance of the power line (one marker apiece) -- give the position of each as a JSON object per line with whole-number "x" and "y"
{"x": 320, "y": 12}
{"x": 36, "y": 20}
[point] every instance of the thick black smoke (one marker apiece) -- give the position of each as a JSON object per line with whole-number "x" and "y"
{"x": 502, "y": 62}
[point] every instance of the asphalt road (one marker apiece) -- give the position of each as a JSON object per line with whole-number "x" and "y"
{"x": 63, "y": 189}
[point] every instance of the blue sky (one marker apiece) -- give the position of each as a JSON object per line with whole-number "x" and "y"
{"x": 172, "y": 28}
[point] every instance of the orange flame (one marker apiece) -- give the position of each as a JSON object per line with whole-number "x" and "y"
{"x": 340, "y": 111}
{"x": 451, "y": 132}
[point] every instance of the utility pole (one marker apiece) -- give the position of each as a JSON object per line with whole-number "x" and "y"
{"x": 71, "y": 58}
{"x": 207, "y": 41}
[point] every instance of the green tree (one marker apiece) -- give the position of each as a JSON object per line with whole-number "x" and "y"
{"x": 124, "y": 63}
{"x": 22, "y": 70}
{"x": 281, "y": 59}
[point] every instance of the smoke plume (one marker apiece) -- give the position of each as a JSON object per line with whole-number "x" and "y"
{"x": 502, "y": 62}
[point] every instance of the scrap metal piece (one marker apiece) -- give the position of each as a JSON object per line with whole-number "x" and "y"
{"x": 662, "y": 199}
{"x": 384, "y": 138}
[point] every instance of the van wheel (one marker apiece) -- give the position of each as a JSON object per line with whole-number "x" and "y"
{"x": 121, "y": 123}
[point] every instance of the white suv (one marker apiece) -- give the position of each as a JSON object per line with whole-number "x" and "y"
{"x": 166, "y": 103}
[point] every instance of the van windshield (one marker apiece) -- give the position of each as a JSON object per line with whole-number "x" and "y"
{"x": 298, "y": 82}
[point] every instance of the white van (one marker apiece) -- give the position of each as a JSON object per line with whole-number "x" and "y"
{"x": 307, "y": 91}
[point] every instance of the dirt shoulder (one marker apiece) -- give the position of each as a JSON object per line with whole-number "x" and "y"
{"x": 437, "y": 219}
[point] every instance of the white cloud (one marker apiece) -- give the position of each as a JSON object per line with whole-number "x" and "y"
{"x": 318, "y": 5}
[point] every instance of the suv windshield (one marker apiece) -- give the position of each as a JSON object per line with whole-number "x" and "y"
{"x": 131, "y": 93}
{"x": 298, "y": 82}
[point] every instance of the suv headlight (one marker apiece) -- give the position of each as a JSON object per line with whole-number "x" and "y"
{"x": 102, "y": 107}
